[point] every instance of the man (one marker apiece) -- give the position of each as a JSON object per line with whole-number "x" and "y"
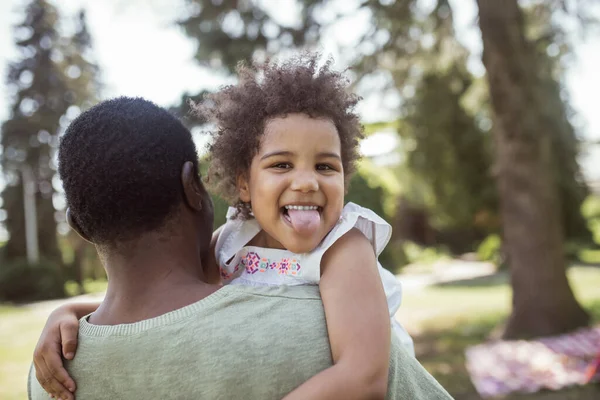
{"x": 166, "y": 329}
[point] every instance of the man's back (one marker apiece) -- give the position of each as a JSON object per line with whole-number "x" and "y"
{"x": 240, "y": 342}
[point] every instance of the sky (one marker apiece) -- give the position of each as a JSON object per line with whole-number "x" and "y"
{"x": 136, "y": 45}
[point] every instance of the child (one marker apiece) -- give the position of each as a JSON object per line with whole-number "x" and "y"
{"x": 283, "y": 153}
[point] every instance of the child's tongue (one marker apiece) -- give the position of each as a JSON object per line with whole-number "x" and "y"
{"x": 305, "y": 222}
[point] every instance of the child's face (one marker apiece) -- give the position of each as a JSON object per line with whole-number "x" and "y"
{"x": 296, "y": 182}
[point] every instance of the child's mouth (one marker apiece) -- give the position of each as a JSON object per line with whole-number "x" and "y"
{"x": 304, "y": 219}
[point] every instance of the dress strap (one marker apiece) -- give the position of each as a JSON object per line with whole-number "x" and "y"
{"x": 235, "y": 234}
{"x": 375, "y": 229}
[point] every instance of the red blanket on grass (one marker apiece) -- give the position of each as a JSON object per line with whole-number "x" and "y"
{"x": 502, "y": 367}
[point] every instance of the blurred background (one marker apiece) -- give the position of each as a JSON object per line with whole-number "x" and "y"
{"x": 487, "y": 168}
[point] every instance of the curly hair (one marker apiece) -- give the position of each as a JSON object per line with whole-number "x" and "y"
{"x": 269, "y": 90}
{"x": 120, "y": 163}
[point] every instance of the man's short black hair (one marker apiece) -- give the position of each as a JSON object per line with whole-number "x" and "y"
{"x": 120, "y": 163}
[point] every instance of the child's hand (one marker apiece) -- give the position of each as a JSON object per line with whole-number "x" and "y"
{"x": 58, "y": 337}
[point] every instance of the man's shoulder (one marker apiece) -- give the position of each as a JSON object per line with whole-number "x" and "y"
{"x": 223, "y": 307}
{"x": 297, "y": 292}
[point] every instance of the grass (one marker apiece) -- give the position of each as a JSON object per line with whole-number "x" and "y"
{"x": 20, "y": 328}
{"x": 19, "y": 331}
{"x": 446, "y": 319}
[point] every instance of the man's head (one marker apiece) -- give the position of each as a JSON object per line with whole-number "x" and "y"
{"x": 128, "y": 168}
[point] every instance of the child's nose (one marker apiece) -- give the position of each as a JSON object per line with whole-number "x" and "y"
{"x": 305, "y": 182}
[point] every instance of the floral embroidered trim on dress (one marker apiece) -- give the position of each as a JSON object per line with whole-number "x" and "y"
{"x": 226, "y": 275}
{"x": 253, "y": 263}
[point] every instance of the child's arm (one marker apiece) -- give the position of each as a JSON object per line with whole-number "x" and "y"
{"x": 59, "y": 336}
{"x": 358, "y": 324}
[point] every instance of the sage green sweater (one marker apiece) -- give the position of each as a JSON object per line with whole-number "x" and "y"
{"x": 239, "y": 343}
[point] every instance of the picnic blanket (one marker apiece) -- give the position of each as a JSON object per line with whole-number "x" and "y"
{"x": 501, "y": 367}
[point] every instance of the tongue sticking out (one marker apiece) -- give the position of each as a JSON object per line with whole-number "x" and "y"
{"x": 305, "y": 222}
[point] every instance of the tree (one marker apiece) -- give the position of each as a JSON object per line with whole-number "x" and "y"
{"x": 29, "y": 136}
{"x": 86, "y": 87}
{"x": 546, "y": 24}
{"x": 81, "y": 67}
{"x": 48, "y": 81}
{"x": 228, "y": 31}
{"x": 447, "y": 165}
{"x": 446, "y": 151}
{"x": 543, "y": 302}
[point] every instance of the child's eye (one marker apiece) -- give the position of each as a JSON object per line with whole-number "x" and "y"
{"x": 324, "y": 167}
{"x": 282, "y": 166}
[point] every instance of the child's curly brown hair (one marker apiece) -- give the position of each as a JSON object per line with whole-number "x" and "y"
{"x": 266, "y": 91}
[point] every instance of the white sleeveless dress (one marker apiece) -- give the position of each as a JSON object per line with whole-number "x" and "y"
{"x": 250, "y": 265}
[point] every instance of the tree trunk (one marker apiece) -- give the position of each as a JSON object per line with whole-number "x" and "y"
{"x": 543, "y": 303}
{"x": 47, "y": 237}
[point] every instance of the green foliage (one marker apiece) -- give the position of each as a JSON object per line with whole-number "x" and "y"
{"x": 184, "y": 111}
{"x": 21, "y": 282}
{"x": 377, "y": 176}
{"x": 591, "y": 211}
{"x": 229, "y": 31}
{"x": 365, "y": 195}
{"x": 589, "y": 256}
{"x": 90, "y": 286}
{"x": 220, "y": 208}
{"x": 448, "y": 152}
{"x": 489, "y": 249}
{"x": 394, "y": 257}
{"x": 586, "y": 252}
{"x": 591, "y": 207}
{"x": 375, "y": 127}
{"x": 424, "y": 254}
{"x": 372, "y": 190}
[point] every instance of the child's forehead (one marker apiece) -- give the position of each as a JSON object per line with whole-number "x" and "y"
{"x": 293, "y": 122}
{"x": 300, "y": 135}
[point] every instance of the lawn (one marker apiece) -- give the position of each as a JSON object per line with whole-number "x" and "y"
{"x": 19, "y": 331}
{"x": 448, "y": 318}
{"x": 20, "y": 327}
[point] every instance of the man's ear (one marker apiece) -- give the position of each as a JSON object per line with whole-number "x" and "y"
{"x": 193, "y": 189}
{"x": 243, "y": 189}
{"x": 76, "y": 227}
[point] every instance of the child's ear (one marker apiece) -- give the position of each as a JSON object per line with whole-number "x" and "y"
{"x": 243, "y": 189}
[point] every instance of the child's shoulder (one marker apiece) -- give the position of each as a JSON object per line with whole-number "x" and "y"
{"x": 357, "y": 220}
{"x": 353, "y": 237}
{"x": 354, "y": 211}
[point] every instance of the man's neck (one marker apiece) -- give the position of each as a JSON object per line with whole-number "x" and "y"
{"x": 154, "y": 277}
